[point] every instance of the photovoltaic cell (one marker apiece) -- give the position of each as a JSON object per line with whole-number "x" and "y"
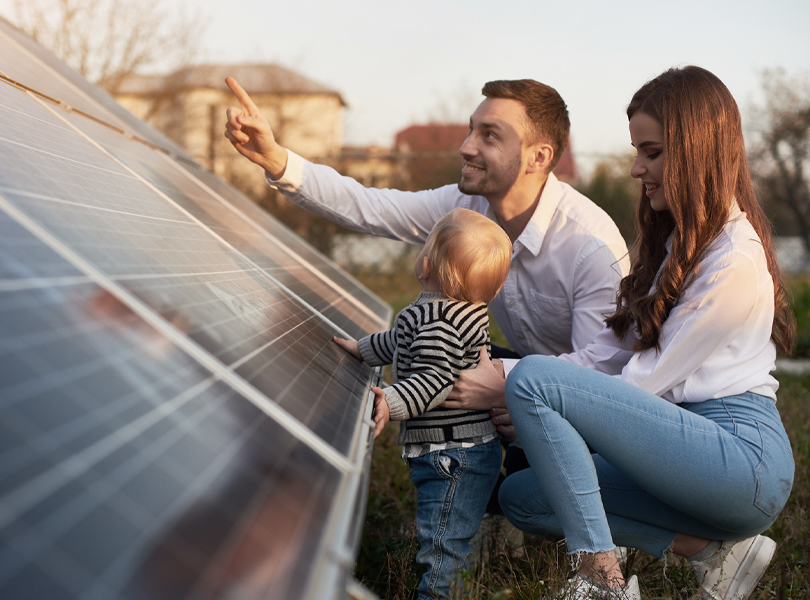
{"x": 258, "y": 245}
{"x": 27, "y": 63}
{"x": 175, "y": 421}
{"x": 131, "y": 472}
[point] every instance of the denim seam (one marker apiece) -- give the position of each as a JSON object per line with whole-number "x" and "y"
{"x": 576, "y": 551}
{"x": 731, "y": 416}
{"x": 768, "y": 511}
{"x": 448, "y": 501}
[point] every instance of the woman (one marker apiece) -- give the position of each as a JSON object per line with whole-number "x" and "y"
{"x": 674, "y": 397}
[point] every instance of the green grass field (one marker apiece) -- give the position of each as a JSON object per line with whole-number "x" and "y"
{"x": 386, "y": 560}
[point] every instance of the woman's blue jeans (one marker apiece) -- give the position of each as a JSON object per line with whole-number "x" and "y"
{"x": 720, "y": 469}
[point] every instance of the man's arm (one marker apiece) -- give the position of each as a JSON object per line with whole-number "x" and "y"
{"x": 407, "y": 216}
{"x": 595, "y": 281}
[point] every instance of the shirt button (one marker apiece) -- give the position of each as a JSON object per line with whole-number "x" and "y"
{"x": 521, "y": 336}
{"x": 511, "y": 303}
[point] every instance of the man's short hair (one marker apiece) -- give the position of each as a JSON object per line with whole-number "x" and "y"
{"x": 470, "y": 255}
{"x": 546, "y": 111}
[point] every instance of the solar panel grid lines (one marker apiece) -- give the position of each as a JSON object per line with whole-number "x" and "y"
{"x": 24, "y": 61}
{"x": 383, "y": 323}
{"x": 207, "y": 227}
{"x": 160, "y": 324}
{"x": 117, "y": 246}
{"x": 104, "y": 590}
{"x": 188, "y": 163}
{"x": 4, "y": 562}
{"x": 175, "y": 421}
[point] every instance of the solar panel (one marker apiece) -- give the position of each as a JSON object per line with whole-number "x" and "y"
{"x": 175, "y": 421}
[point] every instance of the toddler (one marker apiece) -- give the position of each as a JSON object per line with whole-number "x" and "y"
{"x": 454, "y": 455}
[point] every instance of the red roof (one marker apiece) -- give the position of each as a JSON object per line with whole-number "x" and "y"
{"x": 566, "y": 169}
{"x": 431, "y": 138}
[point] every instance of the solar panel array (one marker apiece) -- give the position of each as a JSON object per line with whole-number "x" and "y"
{"x": 175, "y": 421}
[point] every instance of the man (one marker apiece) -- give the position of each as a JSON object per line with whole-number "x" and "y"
{"x": 568, "y": 255}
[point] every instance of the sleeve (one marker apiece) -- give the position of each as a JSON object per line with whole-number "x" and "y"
{"x": 377, "y": 349}
{"x": 606, "y": 353}
{"x": 710, "y": 312}
{"x": 438, "y": 357}
{"x": 596, "y": 279}
{"x": 406, "y": 216}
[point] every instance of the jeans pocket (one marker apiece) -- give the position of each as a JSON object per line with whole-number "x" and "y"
{"x": 447, "y": 462}
{"x": 774, "y": 473}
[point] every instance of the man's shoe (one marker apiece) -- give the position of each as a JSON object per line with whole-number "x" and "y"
{"x": 583, "y": 588}
{"x": 735, "y": 570}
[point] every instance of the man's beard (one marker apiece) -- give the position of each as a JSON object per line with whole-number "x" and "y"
{"x": 499, "y": 184}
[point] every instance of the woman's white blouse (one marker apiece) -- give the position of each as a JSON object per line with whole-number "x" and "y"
{"x": 716, "y": 341}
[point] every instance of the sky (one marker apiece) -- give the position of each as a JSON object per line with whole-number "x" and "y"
{"x": 399, "y": 63}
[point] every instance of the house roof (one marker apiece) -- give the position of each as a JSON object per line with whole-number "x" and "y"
{"x": 255, "y": 78}
{"x": 434, "y": 137}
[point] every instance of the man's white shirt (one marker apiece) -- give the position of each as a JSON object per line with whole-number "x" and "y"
{"x": 565, "y": 267}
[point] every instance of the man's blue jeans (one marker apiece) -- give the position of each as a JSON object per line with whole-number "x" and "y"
{"x": 453, "y": 490}
{"x": 720, "y": 469}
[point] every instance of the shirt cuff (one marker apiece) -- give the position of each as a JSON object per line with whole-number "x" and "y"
{"x": 293, "y": 175}
{"x": 508, "y": 365}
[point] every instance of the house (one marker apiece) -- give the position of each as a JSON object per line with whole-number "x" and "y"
{"x": 189, "y": 106}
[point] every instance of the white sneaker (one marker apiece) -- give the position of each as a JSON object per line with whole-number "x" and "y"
{"x": 735, "y": 570}
{"x": 583, "y": 588}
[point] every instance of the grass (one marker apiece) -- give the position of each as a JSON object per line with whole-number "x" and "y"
{"x": 386, "y": 560}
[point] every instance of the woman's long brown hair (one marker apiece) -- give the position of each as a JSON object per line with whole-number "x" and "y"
{"x": 705, "y": 166}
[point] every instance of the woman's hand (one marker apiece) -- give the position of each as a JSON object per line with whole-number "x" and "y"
{"x": 480, "y": 388}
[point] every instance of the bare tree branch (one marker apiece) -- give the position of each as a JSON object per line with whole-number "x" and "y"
{"x": 781, "y": 150}
{"x": 110, "y": 40}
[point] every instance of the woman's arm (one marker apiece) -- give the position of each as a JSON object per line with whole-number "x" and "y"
{"x": 712, "y": 311}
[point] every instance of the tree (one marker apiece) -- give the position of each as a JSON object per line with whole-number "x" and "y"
{"x": 781, "y": 151}
{"x": 613, "y": 189}
{"x": 109, "y": 40}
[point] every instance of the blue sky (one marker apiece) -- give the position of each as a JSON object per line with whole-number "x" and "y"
{"x": 397, "y": 63}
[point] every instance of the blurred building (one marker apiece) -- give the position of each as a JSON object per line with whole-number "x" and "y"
{"x": 431, "y": 158}
{"x": 189, "y": 106}
{"x": 373, "y": 166}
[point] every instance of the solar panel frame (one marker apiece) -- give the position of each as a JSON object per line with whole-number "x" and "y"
{"x": 38, "y": 259}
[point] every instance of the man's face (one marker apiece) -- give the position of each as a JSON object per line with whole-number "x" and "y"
{"x": 492, "y": 152}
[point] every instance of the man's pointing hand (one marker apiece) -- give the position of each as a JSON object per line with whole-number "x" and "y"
{"x": 251, "y": 135}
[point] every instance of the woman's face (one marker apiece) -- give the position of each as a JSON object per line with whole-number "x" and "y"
{"x": 647, "y": 137}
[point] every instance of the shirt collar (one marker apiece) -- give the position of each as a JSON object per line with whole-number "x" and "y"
{"x": 532, "y": 236}
{"x": 426, "y": 297}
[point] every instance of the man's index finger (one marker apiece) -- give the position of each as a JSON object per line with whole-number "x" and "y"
{"x": 242, "y": 96}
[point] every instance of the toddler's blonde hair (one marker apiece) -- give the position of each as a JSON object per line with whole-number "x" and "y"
{"x": 469, "y": 255}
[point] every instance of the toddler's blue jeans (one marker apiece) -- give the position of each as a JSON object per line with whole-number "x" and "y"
{"x": 453, "y": 488}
